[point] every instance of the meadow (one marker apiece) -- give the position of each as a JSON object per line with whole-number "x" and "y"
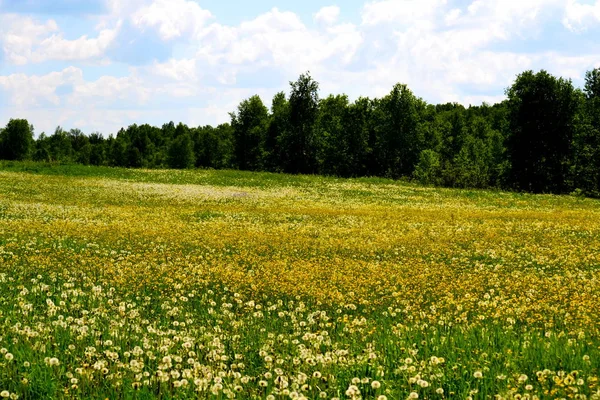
{"x": 155, "y": 284}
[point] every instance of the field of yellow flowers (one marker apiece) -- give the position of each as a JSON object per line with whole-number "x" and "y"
{"x": 133, "y": 284}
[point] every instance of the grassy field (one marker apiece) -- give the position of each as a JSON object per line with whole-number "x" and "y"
{"x": 135, "y": 284}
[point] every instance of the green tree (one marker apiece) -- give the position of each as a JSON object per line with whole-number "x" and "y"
{"x": 168, "y": 132}
{"x": 98, "y": 149}
{"x": 472, "y": 164}
{"x": 356, "y": 138}
{"x": 61, "y": 148}
{"x": 212, "y": 146}
{"x": 118, "y": 150}
{"x": 478, "y": 164}
{"x": 140, "y": 148}
{"x": 181, "y": 152}
{"x": 223, "y": 151}
{"x": 592, "y": 86}
{"x": 428, "y": 168}
{"x": 586, "y": 141}
{"x": 41, "y": 149}
{"x": 80, "y": 144}
{"x": 542, "y": 110}
{"x": 398, "y": 144}
{"x": 16, "y": 141}
{"x": 202, "y": 138}
{"x": 343, "y": 132}
{"x": 249, "y": 124}
{"x": 334, "y": 149}
{"x": 300, "y": 142}
{"x": 279, "y": 125}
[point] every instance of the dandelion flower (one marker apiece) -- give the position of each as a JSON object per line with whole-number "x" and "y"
{"x": 352, "y": 391}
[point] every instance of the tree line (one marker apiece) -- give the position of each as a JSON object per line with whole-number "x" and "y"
{"x": 544, "y": 138}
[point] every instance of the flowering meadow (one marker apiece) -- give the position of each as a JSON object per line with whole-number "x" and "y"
{"x": 135, "y": 284}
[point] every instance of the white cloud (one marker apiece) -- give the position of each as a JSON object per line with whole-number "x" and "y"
{"x": 579, "y": 16}
{"x": 110, "y": 90}
{"x": 25, "y": 40}
{"x": 40, "y": 90}
{"x": 437, "y": 48}
{"x": 19, "y": 35}
{"x": 108, "y": 103}
{"x": 36, "y": 90}
{"x": 506, "y": 19}
{"x": 569, "y": 67}
{"x": 327, "y": 15}
{"x": 121, "y": 8}
{"x": 56, "y": 47}
{"x": 178, "y": 70}
{"x": 452, "y": 16}
{"x": 401, "y": 11}
{"x": 173, "y": 18}
{"x": 277, "y": 39}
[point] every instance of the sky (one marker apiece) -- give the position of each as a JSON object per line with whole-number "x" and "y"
{"x": 99, "y": 65}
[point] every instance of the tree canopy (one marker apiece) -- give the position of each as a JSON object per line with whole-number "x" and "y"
{"x": 544, "y": 138}
{"x": 16, "y": 140}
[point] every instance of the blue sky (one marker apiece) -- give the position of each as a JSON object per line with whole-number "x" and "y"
{"x": 101, "y": 64}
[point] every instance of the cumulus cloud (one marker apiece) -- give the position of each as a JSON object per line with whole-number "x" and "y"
{"x": 172, "y": 18}
{"x": 26, "y": 40}
{"x": 19, "y": 35}
{"x": 407, "y": 12}
{"x": 38, "y": 90}
{"x": 444, "y": 52}
{"x": 56, "y": 47}
{"x": 580, "y": 16}
{"x": 278, "y": 39}
{"x": 327, "y": 15}
{"x": 179, "y": 70}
